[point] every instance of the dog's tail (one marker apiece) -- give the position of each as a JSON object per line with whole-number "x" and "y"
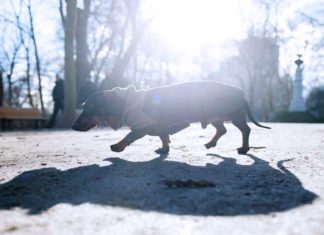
{"x": 248, "y": 111}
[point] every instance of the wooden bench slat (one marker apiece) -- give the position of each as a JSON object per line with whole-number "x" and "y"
{"x": 22, "y": 118}
{"x": 7, "y": 115}
{"x": 20, "y": 113}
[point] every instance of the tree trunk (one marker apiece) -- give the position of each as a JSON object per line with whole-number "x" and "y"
{"x": 82, "y": 63}
{"x": 29, "y": 95}
{"x": 38, "y": 69}
{"x": 62, "y": 13}
{"x": 69, "y": 69}
{"x": 26, "y": 47}
{"x": 9, "y": 99}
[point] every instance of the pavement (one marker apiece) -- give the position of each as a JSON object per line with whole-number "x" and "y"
{"x": 66, "y": 182}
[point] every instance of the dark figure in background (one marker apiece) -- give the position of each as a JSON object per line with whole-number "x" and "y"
{"x": 1, "y": 87}
{"x": 58, "y": 98}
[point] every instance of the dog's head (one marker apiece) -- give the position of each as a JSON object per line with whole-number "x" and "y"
{"x": 101, "y": 106}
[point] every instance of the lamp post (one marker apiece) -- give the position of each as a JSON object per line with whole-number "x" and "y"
{"x": 297, "y": 103}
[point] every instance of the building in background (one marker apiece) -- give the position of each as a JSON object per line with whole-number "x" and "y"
{"x": 256, "y": 70}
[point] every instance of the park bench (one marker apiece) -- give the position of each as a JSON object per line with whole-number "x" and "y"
{"x": 8, "y": 115}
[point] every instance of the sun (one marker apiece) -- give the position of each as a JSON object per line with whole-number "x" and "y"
{"x": 189, "y": 25}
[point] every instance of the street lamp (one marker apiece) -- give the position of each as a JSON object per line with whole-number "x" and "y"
{"x": 297, "y": 103}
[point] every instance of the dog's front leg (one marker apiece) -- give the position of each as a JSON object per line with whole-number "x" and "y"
{"x": 165, "y": 145}
{"x": 130, "y": 138}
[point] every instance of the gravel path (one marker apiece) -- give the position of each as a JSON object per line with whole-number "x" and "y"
{"x": 65, "y": 182}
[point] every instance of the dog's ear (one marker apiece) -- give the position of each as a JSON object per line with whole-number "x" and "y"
{"x": 95, "y": 105}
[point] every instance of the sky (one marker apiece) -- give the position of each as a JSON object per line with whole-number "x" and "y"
{"x": 306, "y": 37}
{"x": 187, "y": 27}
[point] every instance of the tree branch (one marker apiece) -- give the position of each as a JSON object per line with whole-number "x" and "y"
{"x": 62, "y": 13}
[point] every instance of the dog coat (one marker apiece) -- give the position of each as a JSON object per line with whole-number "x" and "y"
{"x": 133, "y": 115}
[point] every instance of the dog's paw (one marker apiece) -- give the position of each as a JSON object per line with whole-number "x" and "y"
{"x": 210, "y": 144}
{"x": 163, "y": 150}
{"x": 242, "y": 150}
{"x": 117, "y": 148}
{"x": 204, "y": 125}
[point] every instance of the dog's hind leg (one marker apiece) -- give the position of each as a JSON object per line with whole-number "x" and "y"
{"x": 238, "y": 118}
{"x": 165, "y": 145}
{"x": 220, "y": 131}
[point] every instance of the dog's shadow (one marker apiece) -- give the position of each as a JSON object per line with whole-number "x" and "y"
{"x": 239, "y": 189}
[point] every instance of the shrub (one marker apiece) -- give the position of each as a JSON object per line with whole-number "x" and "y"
{"x": 315, "y": 102}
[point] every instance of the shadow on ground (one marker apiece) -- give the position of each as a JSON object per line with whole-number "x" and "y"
{"x": 239, "y": 189}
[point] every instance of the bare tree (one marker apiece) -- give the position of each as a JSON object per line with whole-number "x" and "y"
{"x": 124, "y": 59}
{"x": 113, "y": 36}
{"x": 62, "y": 13}
{"x": 10, "y": 53}
{"x": 102, "y": 43}
{"x": 27, "y": 55}
{"x": 23, "y": 52}
{"x": 12, "y": 60}
{"x": 38, "y": 68}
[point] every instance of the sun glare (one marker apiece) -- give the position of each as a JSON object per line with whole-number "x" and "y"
{"x": 189, "y": 25}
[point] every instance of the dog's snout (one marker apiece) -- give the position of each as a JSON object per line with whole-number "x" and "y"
{"x": 74, "y": 126}
{"x": 83, "y": 123}
{"x": 77, "y": 123}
